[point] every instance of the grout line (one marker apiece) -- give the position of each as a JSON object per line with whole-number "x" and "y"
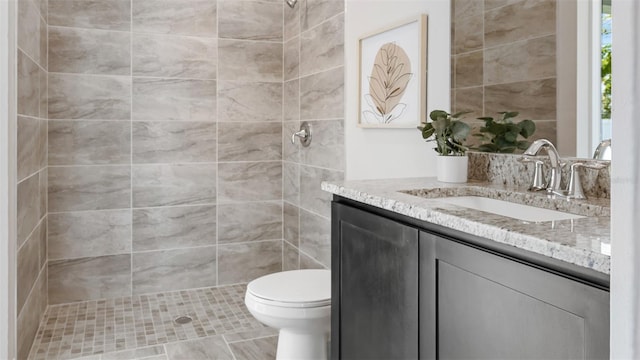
{"x": 131, "y": 147}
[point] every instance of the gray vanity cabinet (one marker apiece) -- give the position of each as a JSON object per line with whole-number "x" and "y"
{"x": 403, "y": 290}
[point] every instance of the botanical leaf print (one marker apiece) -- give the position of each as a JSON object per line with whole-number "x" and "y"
{"x": 387, "y": 84}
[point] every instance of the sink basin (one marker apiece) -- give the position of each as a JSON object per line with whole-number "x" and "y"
{"x": 509, "y": 209}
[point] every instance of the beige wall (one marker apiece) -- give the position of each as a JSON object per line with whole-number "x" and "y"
{"x": 504, "y": 59}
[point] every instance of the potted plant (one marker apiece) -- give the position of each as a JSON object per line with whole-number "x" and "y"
{"x": 502, "y": 136}
{"x": 449, "y": 134}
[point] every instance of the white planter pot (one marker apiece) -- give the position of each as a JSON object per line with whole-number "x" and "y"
{"x": 452, "y": 169}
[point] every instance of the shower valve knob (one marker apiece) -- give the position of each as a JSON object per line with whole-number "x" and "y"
{"x": 304, "y": 134}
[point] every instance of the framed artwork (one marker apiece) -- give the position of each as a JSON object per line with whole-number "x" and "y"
{"x": 393, "y": 76}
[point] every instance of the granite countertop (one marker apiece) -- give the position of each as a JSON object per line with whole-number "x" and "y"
{"x": 584, "y": 242}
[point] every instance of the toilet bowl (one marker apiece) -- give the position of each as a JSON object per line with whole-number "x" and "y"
{"x": 298, "y": 303}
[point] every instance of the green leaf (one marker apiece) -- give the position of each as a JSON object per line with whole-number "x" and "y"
{"x": 506, "y": 115}
{"x": 511, "y": 136}
{"x": 458, "y": 114}
{"x": 435, "y": 114}
{"x": 527, "y": 128}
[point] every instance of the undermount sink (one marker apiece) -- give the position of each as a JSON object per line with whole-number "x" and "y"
{"x": 509, "y": 209}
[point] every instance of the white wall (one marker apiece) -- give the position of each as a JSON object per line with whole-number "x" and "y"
{"x": 394, "y": 153}
{"x": 625, "y": 181}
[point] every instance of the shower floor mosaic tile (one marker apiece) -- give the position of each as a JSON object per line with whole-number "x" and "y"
{"x": 144, "y": 327}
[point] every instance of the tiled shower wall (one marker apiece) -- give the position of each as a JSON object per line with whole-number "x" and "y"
{"x": 31, "y": 171}
{"x": 313, "y": 92}
{"x": 165, "y": 145}
{"x": 504, "y": 59}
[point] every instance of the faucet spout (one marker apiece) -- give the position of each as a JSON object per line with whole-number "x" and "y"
{"x": 554, "y": 159}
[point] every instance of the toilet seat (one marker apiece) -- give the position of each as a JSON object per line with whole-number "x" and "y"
{"x": 293, "y": 289}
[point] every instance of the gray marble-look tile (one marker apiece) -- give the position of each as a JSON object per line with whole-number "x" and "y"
{"x": 239, "y": 263}
{"x": 291, "y": 182}
{"x": 28, "y": 84}
{"x": 29, "y": 210}
{"x": 518, "y": 21}
{"x": 42, "y": 234}
{"x": 250, "y": 181}
{"x": 174, "y": 99}
{"x": 89, "y": 278}
{"x": 291, "y": 100}
{"x": 73, "y": 96}
{"x": 291, "y": 59}
{"x": 44, "y": 93}
{"x": 313, "y": 12}
{"x": 88, "y": 51}
{"x": 174, "y": 56}
{"x": 245, "y": 222}
{"x": 255, "y": 349}
{"x": 291, "y": 224}
{"x": 469, "y": 69}
{"x": 328, "y": 145}
{"x": 525, "y": 60}
{"x": 258, "y": 141}
{"x": 462, "y": 9}
{"x": 31, "y": 146}
{"x": 75, "y": 188}
{"x": 470, "y": 99}
{"x": 209, "y": 348}
{"x": 28, "y": 319}
{"x": 322, "y": 95}
{"x": 249, "y": 61}
{"x": 290, "y": 257}
{"x": 185, "y": 17}
{"x": 250, "y": 334}
{"x": 547, "y": 129}
{"x": 79, "y": 142}
{"x": 534, "y": 99}
{"x": 89, "y": 234}
{"x": 170, "y": 142}
{"x": 322, "y": 47}
{"x": 29, "y": 31}
{"x": 315, "y": 237}
{"x": 307, "y": 262}
{"x": 28, "y": 265}
{"x": 492, "y": 4}
{"x": 249, "y": 101}
{"x": 165, "y": 185}
{"x": 43, "y": 184}
{"x": 290, "y": 151}
{"x": 291, "y": 22}
{"x": 468, "y": 34}
{"x": 93, "y": 14}
{"x": 311, "y": 195}
{"x": 139, "y": 353}
{"x": 174, "y": 227}
{"x": 168, "y": 270}
{"x": 250, "y": 20}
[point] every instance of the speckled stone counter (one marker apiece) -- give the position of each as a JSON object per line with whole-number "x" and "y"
{"x": 584, "y": 242}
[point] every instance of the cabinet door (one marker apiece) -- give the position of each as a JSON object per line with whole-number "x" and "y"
{"x": 375, "y": 261}
{"x": 491, "y": 307}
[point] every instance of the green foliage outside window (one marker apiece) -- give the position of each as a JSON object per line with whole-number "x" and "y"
{"x": 605, "y": 73}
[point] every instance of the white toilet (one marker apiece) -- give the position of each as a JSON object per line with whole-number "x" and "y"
{"x": 298, "y": 303}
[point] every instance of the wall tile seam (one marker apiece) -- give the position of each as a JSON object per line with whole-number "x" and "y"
{"x": 312, "y": 212}
{"x": 141, "y": 77}
{"x": 131, "y": 253}
{"x": 314, "y": 119}
{"x": 30, "y": 58}
{"x": 278, "y": 41}
{"x": 41, "y": 272}
{"x": 320, "y": 72}
{"x": 523, "y": 40}
{"x": 301, "y": 252}
{"x": 321, "y": 168}
{"x": 321, "y": 23}
{"x": 32, "y": 232}
{"x": 27, "y": 177}
{"x": 504, "y": 83}
{"x": 139, "y": 165}
{"x": 249, "y": 242}
{"x": 142, "y": 208}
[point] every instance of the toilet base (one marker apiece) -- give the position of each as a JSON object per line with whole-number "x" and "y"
{"x": 297, "y": 346}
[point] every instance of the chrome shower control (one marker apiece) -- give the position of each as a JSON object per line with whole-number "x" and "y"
{"x": 304, "y": 134}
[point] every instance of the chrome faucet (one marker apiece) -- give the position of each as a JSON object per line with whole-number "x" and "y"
{"x": 603, "y": 151}
{"x": 554, "y": 181}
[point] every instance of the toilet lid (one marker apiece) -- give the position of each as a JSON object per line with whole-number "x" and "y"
{"x": 310, "y": 287}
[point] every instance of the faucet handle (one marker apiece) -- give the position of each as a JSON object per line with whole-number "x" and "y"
{"x": 538, "y": 182}
{"x": 574, "y": 187}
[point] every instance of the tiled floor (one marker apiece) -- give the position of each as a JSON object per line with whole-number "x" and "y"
{"x": 143, "y": 327}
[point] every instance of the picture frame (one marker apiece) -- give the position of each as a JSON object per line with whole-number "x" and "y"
{"x": 392, "y": 67}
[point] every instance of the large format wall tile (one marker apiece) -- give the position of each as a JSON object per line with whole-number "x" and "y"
{"x": 89, "y": 234}
{"x": 29, "y": 29}
{"x": 249, "y": 222}
{"x": 307, "y": 262}
{"x": 290, "y": 151}
{"x": 291, "y": 59}
{"x": 250, "y": 20}
{"x": 32, "y": 146}
{"x": 89, "y": 278}
{"x": 311, "y": 195}
{"x": 165, "y": 185}
{"x": 93, "y": 14}
{"x": 74, "y": 188}
{"x": 250, "y": 181}
{"x": 469, "y": 69}
{"x": 466, "y": 8}
{"x": 89, "y": 97}
{"x": 534, "y": 100}
{"x": 174, "y": 227}
{"x": 470, "y": 99}
{"x": 290, "y": 257}
{"x": 174, "y": 99}
{"x": 168, "y": 142}
{"x": 239, "y": 263}
{"x": 313, "y": 12}
{"x": 322, "y": 47}
{"x": 291, "y": 224}
{"x": 520, "y": 61}
{"x": 44, "y": 91}
{"x": 73, "y": 50}
{"x": 249, "y": 60}
{"x": 89, "y": 142}
{"x": 518, "y": 21}
{"x": 315, "y": 237}
{"x": 249, "y": 141}
{"x": 28, "y": 266}
{"x": 212, "y": 347}
{"x": 29, "y": 211}
{"x": 249, "y": 101}
{"x": 291, "y": 100}
{"x": 291, "y": 22}
{"x": 291, "y": 182}
{"x": 29, "y": 318}
{"x": 28, "y": 86}
{"x": 322, "y": 95}
{"x": 328, "y": 145}
{"x": 174, "y": 56}
{"x": 468, "y": 34}
{"x": 185, "y": 17}
{"x": 168, "y": 270}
